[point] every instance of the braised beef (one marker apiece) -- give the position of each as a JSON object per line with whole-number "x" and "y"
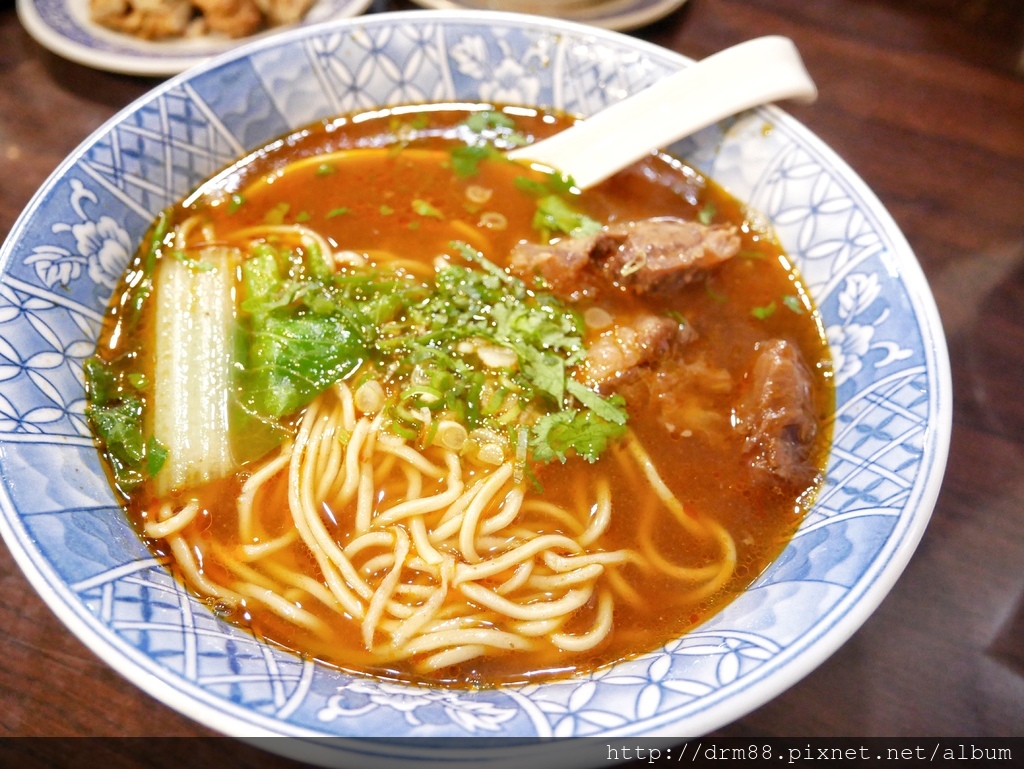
{"x": 621, "y": 351}
{"x": 663, "y": 253}
{"x": 560, "y": 267}
{"x": 777, "y": 415}
{"x": 651, "y": 254}
{"x": 684, "y": 392}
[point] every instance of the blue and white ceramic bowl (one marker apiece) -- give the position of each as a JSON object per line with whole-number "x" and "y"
{"x": 63, "y": 524}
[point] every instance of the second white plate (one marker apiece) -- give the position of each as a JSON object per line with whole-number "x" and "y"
{"x": 619, "y": 15}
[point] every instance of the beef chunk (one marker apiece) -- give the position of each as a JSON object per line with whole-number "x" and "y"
{"x": 620, "y": 352}
{"x": 651, "y": 254}
{"x": 777, "y": 415}
{"x": 648, "y": 363}
{"x": 663, "y": 253}
{"x": 559, "y": 267}
{"x": 687, "y": 393}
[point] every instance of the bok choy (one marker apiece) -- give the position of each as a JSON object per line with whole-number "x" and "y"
{"x": 192, "y": 372}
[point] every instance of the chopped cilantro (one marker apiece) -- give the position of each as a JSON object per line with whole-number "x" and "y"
{"x": 610, "y": 409}
{"x": 470, "y": 254}
{"x": 764, "y": 312}
{"x": 554, "y": 215}
{"x": 428, "y": 331}
{"x": 531, "y": 187}
{"x": 495, "y": 127}
{"x": 479, "y": 122}
{"x": 491, "y": 131}
{"x": 156, "y": 455}
{"x": 466, "y": 159}
{"x": 556, "y": 435}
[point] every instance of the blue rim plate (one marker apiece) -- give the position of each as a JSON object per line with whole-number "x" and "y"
{"x": 64, "y": 27}
{"x": 61, "y": 261}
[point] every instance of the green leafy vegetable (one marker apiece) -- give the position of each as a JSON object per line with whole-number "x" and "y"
{"x": 471, "y": 344}
{"x": 531, "y": 187}
{"x": 554, "y": 215}
{"x": 479, "y": 122}
{"x": 292, "y": 359}
{"x": 116, "y": 419}
{"x": 496, "y": 127}
{"x": 491, "y": 131}
{"x": 156, "y": 455}
{"x": 583, "y": 432}
{"x": 466, "y": 159}
{"x": 119, "y": 427}
{"x": 609, "y": 409}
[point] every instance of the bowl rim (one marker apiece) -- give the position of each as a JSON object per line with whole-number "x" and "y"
{"x": 820, "y": 642}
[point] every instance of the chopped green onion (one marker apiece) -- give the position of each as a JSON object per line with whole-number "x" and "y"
{"x": 707, "y": 213}
{"x": 424, "y": 208}
{"x": 794, "y": 303}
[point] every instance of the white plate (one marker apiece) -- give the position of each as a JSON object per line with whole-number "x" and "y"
{"x": 612, "y": 14}
{"x": 64, "y": 27}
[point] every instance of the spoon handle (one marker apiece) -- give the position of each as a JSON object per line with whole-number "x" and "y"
{"x": 746, "y": 75}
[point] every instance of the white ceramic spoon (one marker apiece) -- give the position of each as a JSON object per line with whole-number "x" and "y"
{"x": 749, "y": 74}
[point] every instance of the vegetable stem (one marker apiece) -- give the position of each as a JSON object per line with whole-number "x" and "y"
{"x": 192, "y": 377}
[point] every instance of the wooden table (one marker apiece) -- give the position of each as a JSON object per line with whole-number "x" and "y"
{"x": 925, "y": 99}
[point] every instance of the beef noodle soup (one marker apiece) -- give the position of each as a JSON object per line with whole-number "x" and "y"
{"x": 399, "y": 404}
